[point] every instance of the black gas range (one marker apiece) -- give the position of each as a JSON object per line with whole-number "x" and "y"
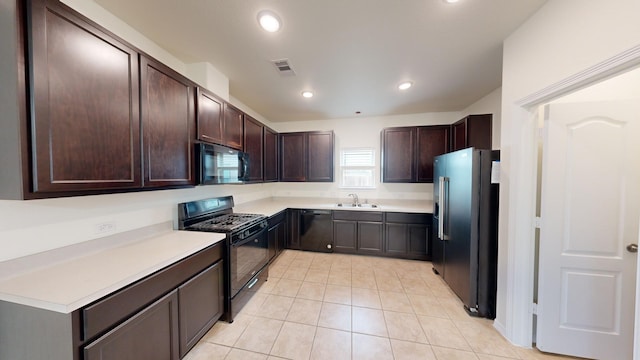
{"x": 246, "y": 245}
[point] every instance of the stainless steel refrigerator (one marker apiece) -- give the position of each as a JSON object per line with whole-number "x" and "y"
{"x": 465, "y": 223}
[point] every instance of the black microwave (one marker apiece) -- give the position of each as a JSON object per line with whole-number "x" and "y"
{"x": 221, "y": 165}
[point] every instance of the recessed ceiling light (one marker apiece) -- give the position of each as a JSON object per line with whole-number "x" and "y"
{"x": 405, "y": 85}
{"x": 269, "y": 21}
{"x": 451, "y": 1}
{"x": 307, "y": 94}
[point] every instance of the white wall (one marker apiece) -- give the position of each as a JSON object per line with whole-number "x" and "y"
{"x": 29, "y": 227}
{"x": 563, "y": 38}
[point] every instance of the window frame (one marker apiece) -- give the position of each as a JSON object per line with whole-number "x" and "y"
{"x": 371, "y": 167}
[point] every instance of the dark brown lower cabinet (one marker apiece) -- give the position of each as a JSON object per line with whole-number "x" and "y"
{"x": 408, "y": 235}
{"x": 277, "y": 234}
{"x": 358, "y": 232}
{"x": 150, "y": 334}
{"x": 370, "y": 238}
{"x": 293, "y": 240}
{"x": 345, "y": 236}
{"x": 158, "y": 317}
{"x": 200, "y": 305}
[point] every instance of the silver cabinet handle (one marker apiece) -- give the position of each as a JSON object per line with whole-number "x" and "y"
{"x": 632, "y": 248}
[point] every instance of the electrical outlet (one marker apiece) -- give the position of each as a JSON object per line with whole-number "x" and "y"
{"x": 105, "y": 227}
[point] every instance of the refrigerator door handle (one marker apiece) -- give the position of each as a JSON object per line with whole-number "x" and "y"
{"x": 441, "y": 207}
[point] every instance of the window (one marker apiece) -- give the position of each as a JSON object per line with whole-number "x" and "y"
{"x": 357, "y": 168}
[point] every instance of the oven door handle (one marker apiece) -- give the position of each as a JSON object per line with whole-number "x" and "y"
{"x": 253, "y": 237}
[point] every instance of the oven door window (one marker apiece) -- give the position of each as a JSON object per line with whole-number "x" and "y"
{"x": 247, "y": 258}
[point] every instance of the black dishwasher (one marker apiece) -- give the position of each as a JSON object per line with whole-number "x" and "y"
{"x": 316, "y": 230}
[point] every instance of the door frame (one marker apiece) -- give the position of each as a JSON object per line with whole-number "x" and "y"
{"x": 521, "y": 262}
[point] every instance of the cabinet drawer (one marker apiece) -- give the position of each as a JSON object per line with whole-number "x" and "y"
{"x": 409, "y": 218}
{"x": 357, "y": 215}
{"x": 109, "y": 311}
{"x": 150, "y": 334}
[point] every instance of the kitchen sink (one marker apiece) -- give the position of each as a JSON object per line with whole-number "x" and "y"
{"x": 351, "y": 205}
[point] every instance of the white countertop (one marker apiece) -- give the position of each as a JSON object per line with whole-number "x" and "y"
{"x": 69, "y": 285}
{"x": 79, "y": 279}
{"x": 271, "y": 206}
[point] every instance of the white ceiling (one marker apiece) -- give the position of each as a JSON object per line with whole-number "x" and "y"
{"x": 351, "y": 53}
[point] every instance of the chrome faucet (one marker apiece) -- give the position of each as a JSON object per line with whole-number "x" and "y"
{"x": 356, "y": 201}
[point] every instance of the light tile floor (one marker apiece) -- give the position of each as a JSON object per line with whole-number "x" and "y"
{"x": 335, "y": 306}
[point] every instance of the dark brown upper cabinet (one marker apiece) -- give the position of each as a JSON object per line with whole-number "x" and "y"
{"x": 84, "y": 115}
{"x": 168, "y": 118}
{"x": 254, "y": 146}
{"x": 233, "y": 125}
{"x": 398, "y": 154}
{"x": 292, "y": 157}
{"x": 320, "y": 156}
{"x": 408, "y": 152}
{"x": 472, "y": 131}
{"x": 270, "y": 155}
{"x": 210, "y": 124}
{"x": 431, "y": 141}
{"x": 307, "y": 156}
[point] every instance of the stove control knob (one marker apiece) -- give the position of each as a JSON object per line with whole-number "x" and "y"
{"x": 246, "y": 233}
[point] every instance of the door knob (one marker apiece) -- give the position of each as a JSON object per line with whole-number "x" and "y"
{"x": 633, "y": 248}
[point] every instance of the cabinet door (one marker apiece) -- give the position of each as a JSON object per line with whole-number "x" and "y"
{"x": 168, "y": 119}
{"x": 272, "y": 237}
{"x": 253, "y": 145}
{"x": 396, "y": 239}
{"x": 398, "y": 151}
{"x": 270, "y": 155}
{"x": 418, "y": 240}
{"x": 210, "y": 127}
{"x": 233, "y": 125}
{"x": 472, "y": 131}
{"x": 431, "y": 142}
{"x": 85, "y": 117}
{"x": 479, "y": 130}
{"x": 201, "y": 303}
{"x": 292, "y": 157}
{"x": 281, "y": 237}
{"x": 150, "y": 334}
{"x": 370, "y": 238}
{"x": 459, "y": 135}
{"x": 345, "y": 236}
{"x": 320, "y": 156}
{"x": 294, "y": 229}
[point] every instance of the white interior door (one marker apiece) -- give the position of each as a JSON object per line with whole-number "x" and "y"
{"x": 590, "y": 211}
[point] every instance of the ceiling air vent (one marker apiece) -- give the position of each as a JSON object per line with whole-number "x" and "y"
{"x": 283, "y": 67}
